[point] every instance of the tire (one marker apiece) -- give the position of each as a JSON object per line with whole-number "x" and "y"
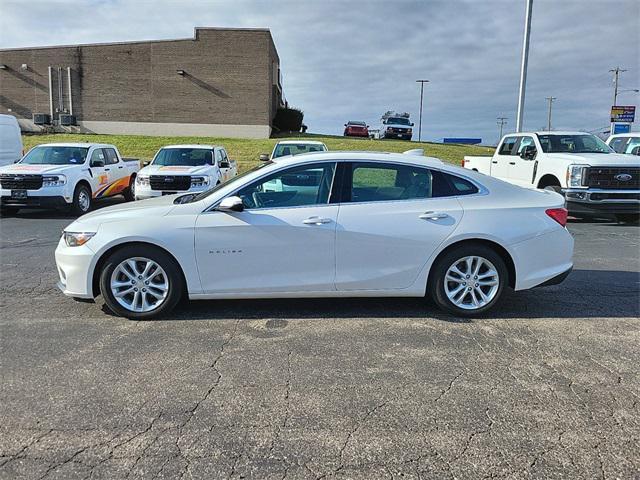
{"x": 6, "y": 210}
{"x": 129, "y": 193}
{"x": 130, "y": 304}
{"x": 81, "y": 200}
{"x": 441, "y": 290}
{"x": 628, "y": 217}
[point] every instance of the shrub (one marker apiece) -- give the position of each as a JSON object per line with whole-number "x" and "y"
{"x": 288, "y": 120}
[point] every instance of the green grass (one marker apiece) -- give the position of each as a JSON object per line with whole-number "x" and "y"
{"x": 246, "y": 151}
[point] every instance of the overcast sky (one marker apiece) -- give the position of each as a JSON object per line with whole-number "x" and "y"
{"x": 345, "y": 60}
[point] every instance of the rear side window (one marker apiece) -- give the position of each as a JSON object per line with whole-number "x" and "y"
{"x": 376, "y": 182}
{"x": 447, "y": 185}
{"x": 112, "y": 157}
{"x": 507, "y": 146}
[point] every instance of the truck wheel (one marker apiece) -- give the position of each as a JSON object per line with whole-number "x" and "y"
{"x": 129, "y": 193}
{"x": 628, "y": 217}
{"x": 81, "y": 200}
{"x": 141, "y": 282}
{"x": 468, "y": 280}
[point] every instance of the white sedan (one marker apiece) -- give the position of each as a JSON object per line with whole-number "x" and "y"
{"x": 332, "y": 224}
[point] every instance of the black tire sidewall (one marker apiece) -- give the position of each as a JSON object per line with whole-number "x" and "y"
{"x": 169, "y": 265}
{"x": 129, "y": 192}
{"x": 75, "y": 206}
{"x": 436, "y": 280}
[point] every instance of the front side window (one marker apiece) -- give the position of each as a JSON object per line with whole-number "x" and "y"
{"x": 633, "y": 144}
{"x": 580, "y": 143}
{"x": 374, "y": 182}
{"x": 55, "y": 156}
{"x": 525, "y": 142}
{"x": 98, "y": 156}
{"x": 507, "y": 146}
{"x": 293, "y": 187}
{"x": 183, "y": 157}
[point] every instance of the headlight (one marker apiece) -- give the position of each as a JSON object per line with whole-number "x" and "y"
{"x": 76, "y": 239}
{"x": 409, "y": 130}
{"x": 142, "y": 180}
{"x": 53, "y": 180}
{"x": 576, "y": 176}
{"x": 199, "y": 181}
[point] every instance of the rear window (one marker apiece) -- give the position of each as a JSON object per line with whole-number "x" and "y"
{"x": 447, "y": 185}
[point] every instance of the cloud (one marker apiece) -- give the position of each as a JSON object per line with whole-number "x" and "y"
{"x": 345, "y": 60}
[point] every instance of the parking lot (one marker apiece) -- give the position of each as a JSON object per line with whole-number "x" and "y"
{"x": 546, "y": 387}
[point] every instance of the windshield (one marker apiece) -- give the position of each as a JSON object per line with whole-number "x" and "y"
{"x": 55, "y": 156}
{"x": 183, "y": 157}
{"x": 582, "y": 143}
{"x": 357, "y": 124}
{"x": 283, "y": 149}
{"x": 398, "y": 120}
{"x": 194, "y": 197}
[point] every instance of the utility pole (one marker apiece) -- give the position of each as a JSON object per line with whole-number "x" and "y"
{"x": 616, "y": 72}
{"x": 421, "y": 82}
{"x": 550, "y": 99}
{"x": 523, "y": 65}
{"x": 502, "y": 121}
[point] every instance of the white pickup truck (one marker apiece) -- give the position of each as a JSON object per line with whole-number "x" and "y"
{"x": 184, "y": 169}
{"x": 625, "y": 143}
{"x": 592, "y": 177}
{"x": 66, "y": 175}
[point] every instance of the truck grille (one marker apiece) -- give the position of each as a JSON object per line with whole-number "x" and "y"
{"x": 170, "y": 183}
{"x": 614, "y": 177}
{"x": 21, "y": 182}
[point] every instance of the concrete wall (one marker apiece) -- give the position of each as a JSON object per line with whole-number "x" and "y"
{"x": 134, "y": 87}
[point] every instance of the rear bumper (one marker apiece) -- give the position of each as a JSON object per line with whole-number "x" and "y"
{"x": 600, "y": 201}
{"x": 557, "y": 279}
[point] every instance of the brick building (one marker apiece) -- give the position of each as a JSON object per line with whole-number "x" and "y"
{"x": 222, "y": 82}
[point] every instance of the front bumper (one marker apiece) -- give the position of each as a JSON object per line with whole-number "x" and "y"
{"x": 601, "y": 201}
{"x": 45, "y": 197}
{"x": 75, "y": 265}
{"x": 143, "y": 193}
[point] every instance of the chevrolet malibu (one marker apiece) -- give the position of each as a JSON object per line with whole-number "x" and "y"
{"x": 331, "y": 224}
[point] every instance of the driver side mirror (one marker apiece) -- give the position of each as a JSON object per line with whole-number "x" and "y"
{"x": 97, "y": 163}
{"x": 411, "y": 124}
{"x": 231, "y": 204}
{"x": 146, "y": 163}
{"x": 635, "y": 150}
{"x": 264, "y": 157}
{"x": 224, "y": 164}
{"x": 529, "y": 152}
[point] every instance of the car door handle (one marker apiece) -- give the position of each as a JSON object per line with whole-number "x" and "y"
{"x": 494, "y": 161}
{"x": 433, "y": 216}
{"x": 120, "y": 166}
{"x": 512, "y": 163}
{"x": 316, "y": 221}
{"x": 107, "y": 169}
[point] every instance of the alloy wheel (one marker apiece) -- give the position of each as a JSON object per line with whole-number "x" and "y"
{"x": 471, "y": 282}
{"x": 139, "y": 284}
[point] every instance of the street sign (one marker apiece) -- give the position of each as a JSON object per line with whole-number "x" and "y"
{"x": 621, "y": 128}
{"x": 625, "y": 114}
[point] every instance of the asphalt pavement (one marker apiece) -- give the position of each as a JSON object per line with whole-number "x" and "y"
{"x": 546, "y": 387}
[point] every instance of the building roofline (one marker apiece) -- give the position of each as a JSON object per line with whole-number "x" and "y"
{"x": 132, "y": 42}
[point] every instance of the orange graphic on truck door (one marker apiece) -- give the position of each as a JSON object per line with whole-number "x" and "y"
{"x": 114, "y": 188}
{"x": 103, "y": 179}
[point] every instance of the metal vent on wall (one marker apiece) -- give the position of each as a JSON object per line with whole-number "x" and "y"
{"x": 66, "y": 119}
{"x": 41, "y": 119}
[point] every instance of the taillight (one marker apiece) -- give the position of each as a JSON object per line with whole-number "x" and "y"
{"x": 558, "y": 214}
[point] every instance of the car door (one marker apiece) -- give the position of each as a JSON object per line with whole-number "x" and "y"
{"x": 98, "y": 171}
{"x": 283, "y": 241}
{"x": 117, "y": 172}
{"x": 504, "y": 155}
{"x": 521, "y": 169}
{"x": 391, "y": 219}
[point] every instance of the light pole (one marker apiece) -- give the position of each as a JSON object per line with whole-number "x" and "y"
{"x": 523, "y": 65}
{"x": 502, "y": 121}
{"x": 421, "y": 82}
{"x": 550, "y": 99}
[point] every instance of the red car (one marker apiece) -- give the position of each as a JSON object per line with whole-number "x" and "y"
{"x": 356, "y": 129}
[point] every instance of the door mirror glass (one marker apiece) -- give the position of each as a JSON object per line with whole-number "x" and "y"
{"x": 231, "y": 204}
{"x": 264, "y": 157}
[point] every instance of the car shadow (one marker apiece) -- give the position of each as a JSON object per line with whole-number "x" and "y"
{"x": 585, "y": 294}
{"x": 59, "y": 213}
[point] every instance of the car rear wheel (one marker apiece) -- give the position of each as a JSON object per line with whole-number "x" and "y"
{"x": 468, "y": 280}
{"x": 129, "y": 193}
{"x": 141, "y": 283}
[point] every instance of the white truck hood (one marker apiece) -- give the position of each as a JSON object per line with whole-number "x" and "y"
{"x": 175, "y": 170}
{"x": 597, "y": 159}
{"x": 18, "y": 168}
{"x": 154, "y": 207}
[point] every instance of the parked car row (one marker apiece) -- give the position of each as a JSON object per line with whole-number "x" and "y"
{"x": 393, "y": 125}
{"x": 593, "y": 178}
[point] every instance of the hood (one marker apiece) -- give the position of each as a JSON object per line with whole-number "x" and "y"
{"x": 18, "y": 168}
{"x": 397, "y": 125}
{"x": 154, "y": 207}
{"x": 175, "y": 170}
{"x": 597, "y": 159}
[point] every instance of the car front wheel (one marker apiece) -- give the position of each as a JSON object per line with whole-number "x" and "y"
{"x": 141, "y": 282}
{"x": 81, "y": 200}
{"x": 468, "y": 280}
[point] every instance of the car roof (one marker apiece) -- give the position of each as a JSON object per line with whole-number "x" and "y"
{"x": 623, "y": 135}
{"x": 546, "y": 132}
{"x": 363, "y": 156}
{"x": 300, "y": 142}
{"x": 194, "y": 146}
{"x": 76, "y": 144}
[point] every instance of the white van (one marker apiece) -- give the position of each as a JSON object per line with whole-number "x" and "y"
{"x": 10, "y": 140}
